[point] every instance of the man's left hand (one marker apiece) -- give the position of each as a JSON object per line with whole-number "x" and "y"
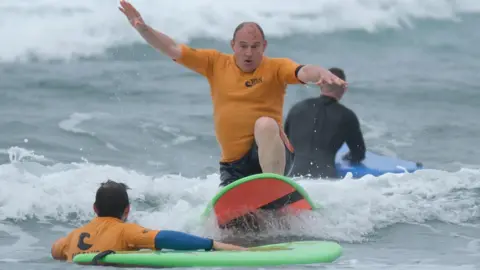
{"x": 327, "y": 77}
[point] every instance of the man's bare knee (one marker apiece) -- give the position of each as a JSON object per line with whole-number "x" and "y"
{"x": 266, "y": 127}
{"x": 271, "y": 152}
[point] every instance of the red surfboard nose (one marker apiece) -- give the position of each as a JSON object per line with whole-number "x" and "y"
{"x": 258, "y": 194}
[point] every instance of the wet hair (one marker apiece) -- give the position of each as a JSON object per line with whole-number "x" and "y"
{"x": 240, "y": 26}
{"x": 111, "y": 199}
{"x": 332, "y": 90}
{"x": 338, "y": 72}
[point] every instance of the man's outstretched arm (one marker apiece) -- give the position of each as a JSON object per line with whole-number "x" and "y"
{"x": 318, "y": 75}
{"x": 199, "y": 60}
{"x": 157, "y": 40}
{"x": 291, "y": 72}
{"x": 160, "y": 41}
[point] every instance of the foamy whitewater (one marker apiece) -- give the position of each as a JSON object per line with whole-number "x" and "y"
{"x": 84, "y": 99}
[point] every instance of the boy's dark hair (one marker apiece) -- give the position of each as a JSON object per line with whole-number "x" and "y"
{"x": 338, "y": 72}
{"x": 111, "y": 199}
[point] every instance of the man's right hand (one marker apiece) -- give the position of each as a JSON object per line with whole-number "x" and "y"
{"x": 132, "y": 14}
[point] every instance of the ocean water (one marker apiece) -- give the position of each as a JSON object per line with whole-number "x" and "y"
{"x": 84, "y": 99}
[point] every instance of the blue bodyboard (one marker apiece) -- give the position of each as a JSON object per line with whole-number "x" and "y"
{"x": 373, "y": 164}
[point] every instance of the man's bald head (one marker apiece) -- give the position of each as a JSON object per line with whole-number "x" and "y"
{"x": 248, "y": 45}
{"x": 252, "y": 25}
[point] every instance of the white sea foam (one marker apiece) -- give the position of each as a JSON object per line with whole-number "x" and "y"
{"x": 352, "y": 208}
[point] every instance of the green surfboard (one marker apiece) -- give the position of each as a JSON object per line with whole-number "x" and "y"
{"x": 293, "y": 253}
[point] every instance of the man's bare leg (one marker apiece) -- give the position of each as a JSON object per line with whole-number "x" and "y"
{"x": 271, "y": 149}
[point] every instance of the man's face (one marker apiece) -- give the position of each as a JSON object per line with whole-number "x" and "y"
{"x": 248, "y": 47}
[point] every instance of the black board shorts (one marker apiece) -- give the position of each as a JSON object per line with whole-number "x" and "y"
{"x": 249, "y": 164}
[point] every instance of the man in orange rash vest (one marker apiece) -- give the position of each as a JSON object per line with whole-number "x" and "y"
{"x": 247, "y": 90}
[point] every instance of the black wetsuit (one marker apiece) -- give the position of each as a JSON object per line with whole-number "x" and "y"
{"x": 317, "y": 128}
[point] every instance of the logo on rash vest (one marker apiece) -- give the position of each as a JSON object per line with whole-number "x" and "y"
{"x": 253, "y": 82}
{"x": 81, "y": 244}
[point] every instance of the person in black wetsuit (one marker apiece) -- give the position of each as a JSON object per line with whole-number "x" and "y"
{"x": 318, "y": 127}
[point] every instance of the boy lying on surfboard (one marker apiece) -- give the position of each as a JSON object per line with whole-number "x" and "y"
{"x": 110, "y": 232}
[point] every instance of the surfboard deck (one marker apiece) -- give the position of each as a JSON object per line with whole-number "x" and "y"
{"x": 374, "y": 164}
{"x": 243, "y": 201}
{"x": 290, "y": 253}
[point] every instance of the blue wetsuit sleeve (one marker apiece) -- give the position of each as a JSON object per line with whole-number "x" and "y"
{"x": 181, "y": 241}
